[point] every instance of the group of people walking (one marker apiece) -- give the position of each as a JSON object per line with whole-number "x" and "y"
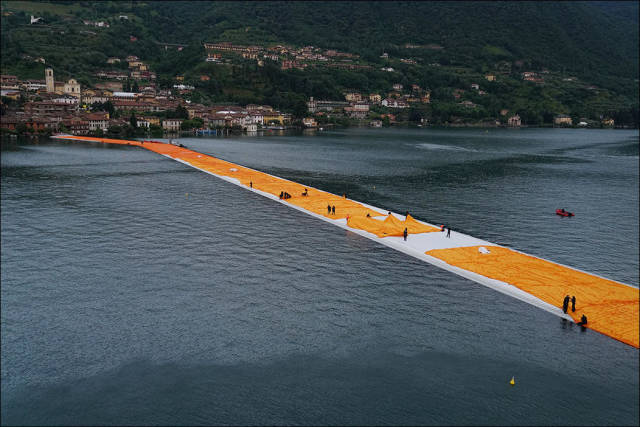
{"x": 284, "y": 194}
{"x": 565, "y": 303}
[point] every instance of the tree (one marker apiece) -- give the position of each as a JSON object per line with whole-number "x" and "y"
{"x": 133, "y": 121}
{"x": 415, "y": 115}
{"x": 135, "y": 87}
{"x": 108, "y": 107}
{"x": 156, "y": 131}
{"x": 181, "y": 112}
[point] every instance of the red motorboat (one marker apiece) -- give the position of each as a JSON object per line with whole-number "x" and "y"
{"x": 562, "y": 212}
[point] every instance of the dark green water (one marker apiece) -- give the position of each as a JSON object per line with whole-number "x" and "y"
{"x": 125, "y": 301}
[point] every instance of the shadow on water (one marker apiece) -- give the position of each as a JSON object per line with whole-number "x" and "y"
{"x": 428, "y": 389}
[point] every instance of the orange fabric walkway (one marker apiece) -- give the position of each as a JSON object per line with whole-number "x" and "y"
{"x": 611, "y": 307}
{"x": 390, "y": 226}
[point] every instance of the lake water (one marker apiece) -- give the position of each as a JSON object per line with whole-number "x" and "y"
{"x": 126, "y": 300}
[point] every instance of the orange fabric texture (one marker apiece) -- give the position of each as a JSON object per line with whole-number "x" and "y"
{"x": 315, "y": 201}
{"x": 390, "y": 226}
{"x": 611, "y": 307}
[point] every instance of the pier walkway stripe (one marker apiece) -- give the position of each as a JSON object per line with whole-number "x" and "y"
{"x": 611, "y": 307}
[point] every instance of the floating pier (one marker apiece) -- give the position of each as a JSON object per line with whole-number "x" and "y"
{"x": 611, "y": 307}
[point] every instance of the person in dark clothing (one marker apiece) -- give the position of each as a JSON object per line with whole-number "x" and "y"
{"x": 328, "y": 209}
{"x": 281, "y": 194}
{"x": 405, "y": 234}
{"x": 583, "y": 320}
{"x": 333, "y": 209}
{"x": 250, "y": 184}
{"x": 305, "y": 192}
{"x": 573, "y": 303}
{"x": 368, "y": 215}
{"x": 449, "y": 232}
{"x": 565, "y": 304}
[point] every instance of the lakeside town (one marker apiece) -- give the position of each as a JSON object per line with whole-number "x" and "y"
{"x": 132, "y": 99}
{"x": 127, "y": 100}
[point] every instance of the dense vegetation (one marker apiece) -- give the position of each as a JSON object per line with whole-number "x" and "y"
{"x": 596, "y": 42}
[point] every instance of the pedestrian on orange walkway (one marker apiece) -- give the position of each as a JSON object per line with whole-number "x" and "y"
{"x": 250, "y": 184}
{"x": 583, "y": 320}
{"x": 405, "y": 234}
{"x": 328, "y": 209}
{"x": 281, "y": 194}
{"x": 333, "y": 209}
{"x": 573, "y": 303}
{"x": 565, "y": 304}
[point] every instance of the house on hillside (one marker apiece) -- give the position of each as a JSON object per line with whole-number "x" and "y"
{"x": 353, "y": 97}
{"x": 514, "y": 121}
{"x": 394, "y": 103}
{"x": 562, "y": 120}
{"x": 99, "y": 120}
{"x": 375, "y": 98}
{"x": 171, "y": 125}
{"x": 309, "y": 122}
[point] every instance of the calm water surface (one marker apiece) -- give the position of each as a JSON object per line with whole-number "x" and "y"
{"x": 126, "y": 300}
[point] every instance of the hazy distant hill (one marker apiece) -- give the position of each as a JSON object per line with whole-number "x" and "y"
{"x": 586, "y": 37}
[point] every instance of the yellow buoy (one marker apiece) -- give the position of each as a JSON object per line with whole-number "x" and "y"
{"x": 513, "y": 381}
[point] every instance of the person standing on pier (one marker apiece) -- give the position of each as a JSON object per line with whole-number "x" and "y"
{"x": 573, "y": 303}
{"x": 328, "y": 209}
{"x": 565, "y": 304}
{"x": 449, "y": 232}
{"x": 333, "y": 209}
{"x": 250, "y": 184}
{"x": 405, "y": 234}
{"x": 583, "y": 321}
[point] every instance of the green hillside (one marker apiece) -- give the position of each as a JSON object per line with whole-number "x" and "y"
{"x": 593, "y": 42}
